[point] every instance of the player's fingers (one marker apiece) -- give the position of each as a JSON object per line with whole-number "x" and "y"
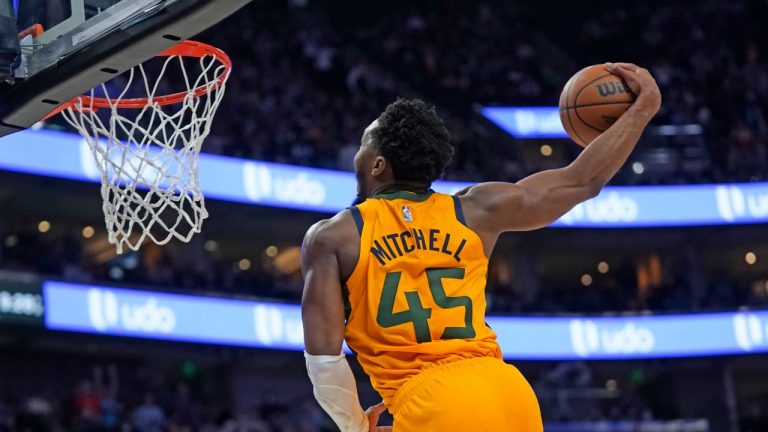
{"x": 615, "y": 68}
{"x": 378, "y": 408}
{"x": 384, "y": 429}
{"x": 373, "y": 414}
{"x": 630, "y": 77}
{"x": 623, "y": 69}
{"x": 628, "y": 66}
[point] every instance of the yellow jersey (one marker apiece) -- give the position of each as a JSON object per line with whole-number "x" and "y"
{"x": 416, "y": 298}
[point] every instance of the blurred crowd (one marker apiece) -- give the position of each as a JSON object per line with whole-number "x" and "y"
{"x": 710, "y": 62}
{"x": 573, "y": 392}
{"x": 167, "y": 267}
{"x": 309, "y": 79}
{"x": 304, "y": 90}
{"x": 620, "y": 290}
{"x": 197, "y": 268}
{"x": 146, "y": 399}
{"x": 133, "y": 397}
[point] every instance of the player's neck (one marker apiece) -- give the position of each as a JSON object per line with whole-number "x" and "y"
{"x": 417, "y": 188}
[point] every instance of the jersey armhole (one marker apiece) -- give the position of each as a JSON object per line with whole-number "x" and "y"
{"x": 459, "y": 211}
{"x": 358, "y": 218}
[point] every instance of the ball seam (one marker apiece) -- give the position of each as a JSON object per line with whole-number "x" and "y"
{"x": 576, "y": 106}
{"x": 568, "y": 113}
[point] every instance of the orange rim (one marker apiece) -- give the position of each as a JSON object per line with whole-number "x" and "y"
{"x": 182, "y": 49}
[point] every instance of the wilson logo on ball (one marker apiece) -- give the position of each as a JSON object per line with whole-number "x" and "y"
{"x": 611, "y": 88}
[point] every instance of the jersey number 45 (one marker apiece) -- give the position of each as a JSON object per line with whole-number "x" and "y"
{"x": 417, "y": 314}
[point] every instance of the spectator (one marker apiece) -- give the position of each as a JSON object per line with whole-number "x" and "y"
{"x": 149, "y": 416}
{"x": 87, "y": 407}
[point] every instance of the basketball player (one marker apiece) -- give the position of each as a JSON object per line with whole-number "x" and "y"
{"x": 401, "y": 276}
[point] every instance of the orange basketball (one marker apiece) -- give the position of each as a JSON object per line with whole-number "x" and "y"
{"x": 591, "y": 102}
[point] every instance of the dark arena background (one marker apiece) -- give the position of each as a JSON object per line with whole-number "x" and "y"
{"x": 642, "y": 309}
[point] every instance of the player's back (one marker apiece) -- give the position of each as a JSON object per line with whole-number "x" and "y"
{"x": 416, "y": 298}
{"x": 416, "y": 318}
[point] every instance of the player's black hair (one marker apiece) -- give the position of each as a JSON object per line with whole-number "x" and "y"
{"x": 414, "y": 140}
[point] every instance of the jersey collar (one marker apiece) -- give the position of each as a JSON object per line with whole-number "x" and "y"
{"x": 406, "y": 195}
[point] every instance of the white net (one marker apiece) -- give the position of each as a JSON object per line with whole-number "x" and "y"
{"x": 148, "y": 156}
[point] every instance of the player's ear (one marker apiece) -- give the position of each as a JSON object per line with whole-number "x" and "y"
{"x": 379, "y": 165}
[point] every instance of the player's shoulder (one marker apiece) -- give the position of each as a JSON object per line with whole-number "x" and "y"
{"x": 330, "y": 233}
{"x": 485, "y": 196}
{"x": 488, "y": 206}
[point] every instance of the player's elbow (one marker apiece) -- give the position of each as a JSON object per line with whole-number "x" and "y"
{"x": 588, "y": 183}
{"x": 592, "y": 189}
{"x": 584, "y": 188}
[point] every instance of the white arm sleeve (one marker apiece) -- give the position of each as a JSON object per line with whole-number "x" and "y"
{"x": 336, "y": 391}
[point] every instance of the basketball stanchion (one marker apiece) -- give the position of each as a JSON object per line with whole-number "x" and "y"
{"x": 147, "y": 148}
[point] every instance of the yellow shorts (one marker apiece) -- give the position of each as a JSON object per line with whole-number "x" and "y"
{"x": 479, "y": 394}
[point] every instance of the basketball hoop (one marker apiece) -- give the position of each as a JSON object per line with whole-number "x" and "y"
{"x": 147, "y": 148}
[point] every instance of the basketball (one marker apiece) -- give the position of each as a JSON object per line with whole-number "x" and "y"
{"x": 591, "y": 101}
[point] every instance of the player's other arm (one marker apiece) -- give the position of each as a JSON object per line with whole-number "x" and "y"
{"x": 542, "y": 198}
{"x": 322, "y": 306}
{"x": 322, "y": 313}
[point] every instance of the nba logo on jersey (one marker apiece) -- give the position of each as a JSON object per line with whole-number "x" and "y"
{"x": 407, "y": 214}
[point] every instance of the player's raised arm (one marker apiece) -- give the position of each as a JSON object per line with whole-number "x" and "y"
{"x": 542, "y": 198}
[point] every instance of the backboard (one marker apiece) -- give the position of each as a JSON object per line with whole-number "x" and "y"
{"x": 87, "y": 42}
